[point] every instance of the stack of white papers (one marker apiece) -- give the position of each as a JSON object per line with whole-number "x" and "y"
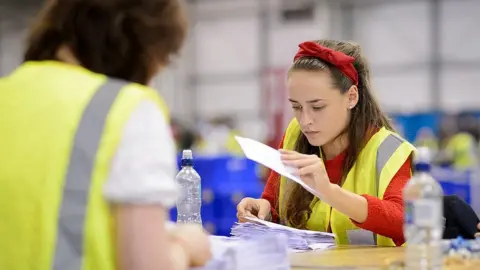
{"x": 297, "y": 239}
{"x": 269, "y": 252}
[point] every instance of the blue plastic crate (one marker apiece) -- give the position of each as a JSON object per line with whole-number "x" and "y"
{"x": 454, "y": 182}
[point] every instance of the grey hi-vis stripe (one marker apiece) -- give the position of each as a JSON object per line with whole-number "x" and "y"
{"x": 71, "y": 221}
{"x": 384, "y": 152}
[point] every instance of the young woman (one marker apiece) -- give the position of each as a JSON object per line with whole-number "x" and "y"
{"x": 343, "y": 146}
{"x": 88, "y": 160}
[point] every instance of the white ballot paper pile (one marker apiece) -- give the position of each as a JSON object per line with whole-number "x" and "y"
{"x": 269, "y": 252}
{"x": 298, "y": 240}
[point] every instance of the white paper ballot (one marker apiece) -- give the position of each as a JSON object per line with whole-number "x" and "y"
{"x": 286, "y": 228}
{"x": 297, "y": 239}
{"x": 270, "y": 158}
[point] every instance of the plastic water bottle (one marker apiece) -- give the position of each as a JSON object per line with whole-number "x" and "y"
{"x": 424, "y": 222}
{"x": 190, "y": 203}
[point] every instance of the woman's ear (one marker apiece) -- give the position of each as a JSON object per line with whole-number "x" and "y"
{"x": 353, "y": 96}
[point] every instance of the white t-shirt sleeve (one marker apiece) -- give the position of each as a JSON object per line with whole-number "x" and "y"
{"x": 144, "y": 166}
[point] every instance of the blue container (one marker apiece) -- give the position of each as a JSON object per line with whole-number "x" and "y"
{"x": 454, "y": 182}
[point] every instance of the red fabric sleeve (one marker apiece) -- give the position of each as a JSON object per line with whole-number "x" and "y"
{"x": 271, "y": 190}
{"x": 385, "y": 217}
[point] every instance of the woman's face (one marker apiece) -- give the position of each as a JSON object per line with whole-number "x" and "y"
{"x": 322, "y": 110}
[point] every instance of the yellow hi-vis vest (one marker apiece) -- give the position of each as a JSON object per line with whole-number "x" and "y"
{"x": 60, "y": 127}
{"x": 371, "y": 174}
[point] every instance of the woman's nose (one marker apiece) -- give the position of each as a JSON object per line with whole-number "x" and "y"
{"x": 305, "y": 120}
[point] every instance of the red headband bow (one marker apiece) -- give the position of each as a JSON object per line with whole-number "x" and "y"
{"x": 340, "y": 60}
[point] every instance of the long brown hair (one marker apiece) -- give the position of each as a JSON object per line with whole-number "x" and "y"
{"x": 366, "y": 116}
{"x": 124, "y": 39}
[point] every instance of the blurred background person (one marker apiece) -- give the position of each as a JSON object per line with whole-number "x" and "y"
{"x": 426, "y": 138}
{"x": 458, "y": 148}
{"x": 217, "y": 137}
{"x": 185, "y": 137}
{"x": 88, "y": 156}
{"x": 470, "y": 124}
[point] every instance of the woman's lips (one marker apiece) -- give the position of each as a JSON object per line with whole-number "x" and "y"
{"x": 311, "y": 133}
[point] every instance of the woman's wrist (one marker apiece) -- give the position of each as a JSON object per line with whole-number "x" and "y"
{"x": 328, "y": 192}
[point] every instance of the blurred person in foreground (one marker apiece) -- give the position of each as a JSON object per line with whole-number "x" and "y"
{"x": 88, "y": 160}
{"x": 343, "y": 146}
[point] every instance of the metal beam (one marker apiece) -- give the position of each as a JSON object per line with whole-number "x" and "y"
{"x": 348, "y": 24}
{"x": 264, "y": 44}
{"x": 237, "y": 13}
{"x": 377, "y": 71}
{"x": 220, "y": 78}
{"x": 371, "y": 3}
{"x": 191, "y": 68}
{"x": 387, "y": 70}
{"x": 436, "y": 54}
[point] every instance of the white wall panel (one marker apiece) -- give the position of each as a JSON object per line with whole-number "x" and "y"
{"x": 460, "y": 89}
{"x": 230, "y": 98}
{"x": 460, "y": 43}
{"x": 285, "y": 42}
{"x": 403, "y": 92}
{"x": 227, "y": 46}
{"x": 171, "y": 84}
{"x": 460, "y": 35}
{"x": 285, "y": 37}
{"x": 395, "y": 33}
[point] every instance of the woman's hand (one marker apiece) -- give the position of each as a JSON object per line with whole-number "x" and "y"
{"x": 310, "y": 169}
{"x": 250, "y": 207}
{"x": 478, "y": 233}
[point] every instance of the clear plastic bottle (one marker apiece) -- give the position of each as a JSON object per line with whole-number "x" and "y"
{"x": 189, "y": 203}
{"x": 424, "y": 222}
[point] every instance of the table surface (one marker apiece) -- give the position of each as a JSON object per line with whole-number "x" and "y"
{"x": 365, "y": 257}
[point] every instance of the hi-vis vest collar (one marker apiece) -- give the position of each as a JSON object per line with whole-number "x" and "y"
{"x": 376, "y": 165}
{"x": 71, "y": 221}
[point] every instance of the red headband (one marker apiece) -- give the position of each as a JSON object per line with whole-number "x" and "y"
{"x": 340, "y": 60}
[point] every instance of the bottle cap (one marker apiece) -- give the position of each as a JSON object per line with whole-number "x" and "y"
{"x": 187, "y": 154}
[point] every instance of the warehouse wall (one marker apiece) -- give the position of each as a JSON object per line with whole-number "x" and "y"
{"x": 399, "y": 42}
{"x": 239, "y": 54}
{"x": 237, "y": 51}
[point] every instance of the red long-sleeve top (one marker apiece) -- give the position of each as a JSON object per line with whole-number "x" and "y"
{"x": 385, "y": 217}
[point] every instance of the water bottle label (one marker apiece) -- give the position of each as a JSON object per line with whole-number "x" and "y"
{"x": 423, "y": 213}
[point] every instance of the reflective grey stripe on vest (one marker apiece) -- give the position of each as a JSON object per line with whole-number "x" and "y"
{"x": 384, "y": 152}
{"x": 71, "y": 221}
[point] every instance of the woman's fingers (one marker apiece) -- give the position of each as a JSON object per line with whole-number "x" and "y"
{"x": 292, "y": 155}
{"x": 307, "y": 170}
{"x": 299, "y": 163}
{"x": 285, "y": 151}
